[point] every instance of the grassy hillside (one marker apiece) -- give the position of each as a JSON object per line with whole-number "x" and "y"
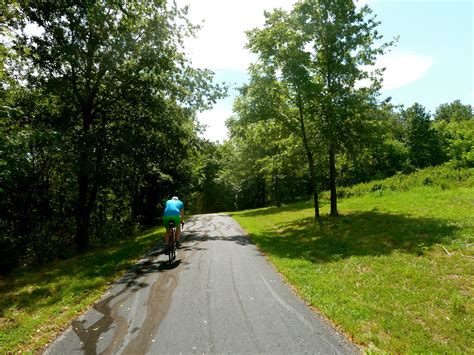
{"x": 445, "y": 177}
{"x": 395, "y": 271}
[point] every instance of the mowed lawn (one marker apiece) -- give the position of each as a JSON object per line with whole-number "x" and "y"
{"x": 394, "y": 271}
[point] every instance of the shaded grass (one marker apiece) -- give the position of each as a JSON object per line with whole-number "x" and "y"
{"x": 380, "y": 270}
{"x": 35, "y": 306}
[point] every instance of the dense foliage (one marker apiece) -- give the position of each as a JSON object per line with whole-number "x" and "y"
{"x": 97, "y": 121}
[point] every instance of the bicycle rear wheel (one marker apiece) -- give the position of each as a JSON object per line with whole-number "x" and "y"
{"x": 174, "y": 251}
{"x": 172, "y": 246}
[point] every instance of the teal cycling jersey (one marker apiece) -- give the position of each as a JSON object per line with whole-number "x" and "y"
{"x": 173, "y": 208}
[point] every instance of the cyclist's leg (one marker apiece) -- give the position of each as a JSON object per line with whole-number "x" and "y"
{"x": 177, "y": 223}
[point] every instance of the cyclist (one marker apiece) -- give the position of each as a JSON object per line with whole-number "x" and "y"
{"x": 174, "y": 211}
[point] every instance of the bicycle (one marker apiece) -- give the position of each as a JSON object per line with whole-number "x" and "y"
{"x": 172, "y": 243}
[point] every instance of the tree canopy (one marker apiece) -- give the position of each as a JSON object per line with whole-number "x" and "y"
{"x": 99, "y": 117}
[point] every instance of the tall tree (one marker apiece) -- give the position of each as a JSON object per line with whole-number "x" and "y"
{"x": 343, "y": 43}
{"x": 281, "y": 84}
{"x": 319, "y": 53}
{"x": 422, "y": 140}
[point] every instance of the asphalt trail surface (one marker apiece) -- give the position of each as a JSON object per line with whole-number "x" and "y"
{"x": 220, "y": 296}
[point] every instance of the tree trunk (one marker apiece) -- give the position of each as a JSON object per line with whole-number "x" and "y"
{"x": 332, "y": 180}
{"x": 87, "y": 194}
{"x": 276, "y": 190}
{"x": 86, "y": 197}
{"x": 310, "y": 158}
{"x": 313, "y": 184}
{"x": 87, "y": 200}
{"x": 82, "y": 222}
{"x": 149, "y": 210}
{"x": 134, "y": 192}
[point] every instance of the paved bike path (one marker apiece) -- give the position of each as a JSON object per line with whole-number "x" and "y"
{"x": 220, "y": 296}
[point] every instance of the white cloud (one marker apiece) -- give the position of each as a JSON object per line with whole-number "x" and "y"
{"x": 403, "y": 68}
{"x": 221, "y": 40}
{"x": 215, "y": 123}
{"x": 220, "y": 45}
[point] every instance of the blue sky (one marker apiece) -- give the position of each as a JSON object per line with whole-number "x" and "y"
{"x": 431, "y": 64}
{"x": 441, "y": 31}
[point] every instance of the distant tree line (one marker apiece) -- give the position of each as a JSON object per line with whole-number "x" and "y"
{"x": 97, "y": 120}
{"x": 263, "y": 163}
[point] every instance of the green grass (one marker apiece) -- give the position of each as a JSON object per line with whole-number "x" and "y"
{"x": 380, "y": 271}
{"x": 445, "y": 176}
{"x": 36, "y": 306}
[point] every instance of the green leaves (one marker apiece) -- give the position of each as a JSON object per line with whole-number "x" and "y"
{"x": 458, "y": 141}
{"x": 423, "y": 141}
{"x": 454, "y": 112}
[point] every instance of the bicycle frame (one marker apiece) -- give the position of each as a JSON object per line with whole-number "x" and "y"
{"x": 172, "y": 243}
